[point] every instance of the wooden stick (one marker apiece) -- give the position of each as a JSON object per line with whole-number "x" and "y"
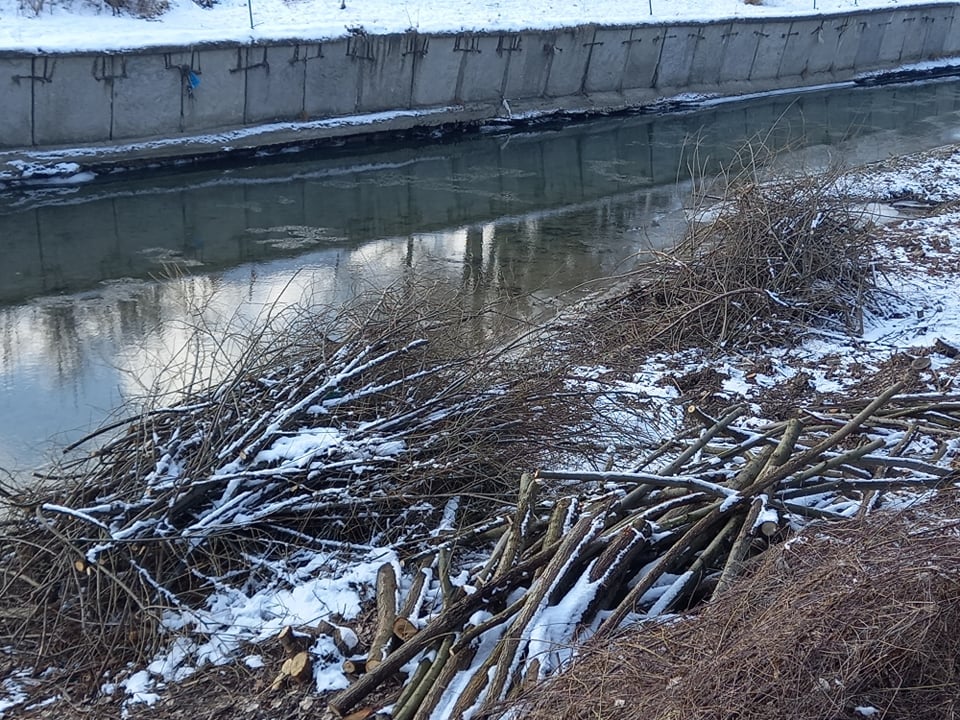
{"x": 695, "y": 570}
{"x": 521, "y": 523}
{"x": 438, "y": 684}
{"x": 777, "y": 473}
{"x": 705, "y": 438}
{"x": 413, "y": 707}
{"x": 386, "y": 614}
{"x": 564, "y": 514}
{"x": 740, "y": 548}
{"x": 472, "y": 632}
{"x": 413, "y": 600}
{"x": 448, "y": 620}
{"x": 411, "y": 685}
{"x": 647, "y": 581}
{"x": 686, "y": 482}
{"x": 486, "y": 571}
{"x": 846, "y": 458}
{"x": 561, "y": 565}
{"x": 292, "y": 641}
{"x": 477, "y": 683}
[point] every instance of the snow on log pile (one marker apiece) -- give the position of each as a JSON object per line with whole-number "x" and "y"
{"x": 852, "y": 620}
{"x": 644, "y": 543}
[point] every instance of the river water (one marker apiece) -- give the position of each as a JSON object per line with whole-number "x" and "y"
{"x": 102, "y": 283}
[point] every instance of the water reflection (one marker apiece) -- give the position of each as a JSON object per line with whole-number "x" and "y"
{"x": 87, "y": 318}
{"x": 69, "y": 360}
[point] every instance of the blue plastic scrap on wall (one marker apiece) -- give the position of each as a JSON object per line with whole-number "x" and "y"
{"x": 193, "y": 80}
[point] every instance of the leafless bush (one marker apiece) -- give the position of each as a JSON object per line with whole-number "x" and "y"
{"x": 139, "y": 8}
{"x": 34, "y": 6}
{"x": 759, "y": 263}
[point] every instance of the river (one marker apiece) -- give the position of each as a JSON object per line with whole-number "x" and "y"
{"x": 102, "y": 283}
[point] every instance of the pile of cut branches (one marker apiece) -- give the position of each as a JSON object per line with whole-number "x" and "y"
{"x": 760, "y": 264}
{"x": 675, "y": 530}
{"x": 333, "y": 433}
{"x": 851, "y": 621}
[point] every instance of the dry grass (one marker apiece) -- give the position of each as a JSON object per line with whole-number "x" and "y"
{"x": 856, "y": 615}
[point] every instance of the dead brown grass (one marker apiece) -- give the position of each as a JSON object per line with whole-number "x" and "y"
{"x": 858, "y": 615}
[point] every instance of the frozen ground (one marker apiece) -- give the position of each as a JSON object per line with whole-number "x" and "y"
{"x": 65, "y": 25}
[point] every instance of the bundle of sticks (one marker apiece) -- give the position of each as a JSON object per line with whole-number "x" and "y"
{"x": 583, "y": 553}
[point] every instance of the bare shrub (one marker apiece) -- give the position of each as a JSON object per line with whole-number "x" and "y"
{"x": 139, "y": 8}
{"x": 34, "y": 6}
{"x": 760, "y": 262}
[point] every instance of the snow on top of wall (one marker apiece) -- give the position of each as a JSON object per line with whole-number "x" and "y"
{"x": 90, "y": 25}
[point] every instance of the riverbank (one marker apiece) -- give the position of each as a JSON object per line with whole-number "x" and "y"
{"x": 109, "y": 107}
{"x": 907, "y": 329}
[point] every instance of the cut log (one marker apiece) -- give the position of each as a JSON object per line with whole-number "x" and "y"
{"x": 522, "y": 520}
{"x": 299, "y": 667}
{"x": 356, "y": 666}
{"x": 455, "y": 663}
{"x": 404, "y": 708}
{"x": 386, "y": 614}
{"x": 293, "y": 642}
{"x": 361, "y": 714}
{"x": 563, "y": 564}
{"x": 344, "y": 639}
{"x": 448, "y": 620}
{"x": 410, "y": 607}
{"x": 740, "y": 548}
{"x": 769, "y": 528}
{"x": 404, "y": 628}
{"x": 422, "y": 701}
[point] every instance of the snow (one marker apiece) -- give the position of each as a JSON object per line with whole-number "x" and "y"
{"x": 138, "y": 686}
{"x": 767, "y": 514}
{"x": 670, "y": 594}
{"x": 14, "y": 695}
{"x": 253, "y": 661}
{"x": 326, "y": 586}
{"x": 485, "y": 645}
{"x": 301, "y": 448}
{"x": 90, "y": 25}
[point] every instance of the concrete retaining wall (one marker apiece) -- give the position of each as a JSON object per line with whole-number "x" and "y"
{"x": 83, "y": 99}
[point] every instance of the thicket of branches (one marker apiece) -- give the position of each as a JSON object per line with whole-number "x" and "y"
{"x": 334, "y": 429}
{"x": 330, "y": 430}
{"x": 762, "y": 261}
